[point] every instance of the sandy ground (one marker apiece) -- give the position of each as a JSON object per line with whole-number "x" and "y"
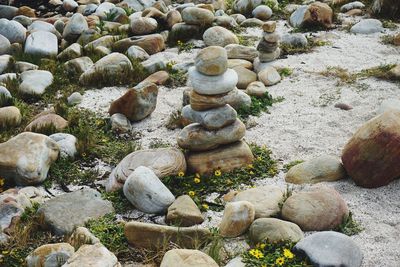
{"x": 306, "y": 124}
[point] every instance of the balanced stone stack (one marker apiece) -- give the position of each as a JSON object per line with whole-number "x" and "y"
{"x": 213, "y": 139}
{"x": 268, "y": 49}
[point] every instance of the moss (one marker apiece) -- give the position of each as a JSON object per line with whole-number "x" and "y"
{"x": 312, "y": 43}
{"x": 120, "y": 203}
{"x": 263, "y": 166}
{"x": 291, "y": 164}
{"x": 177, "y": 78}
{"x": 349, "y": 226}
{"x": 258, "y": 105}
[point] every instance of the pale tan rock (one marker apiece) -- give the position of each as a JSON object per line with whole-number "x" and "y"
{"x": 225, "y": 158}
{"x": 82, "y": 236}
{"x": 212, "y": 60}
{"x": 184, "y": 212}
{"x": 237, "y": 218}
{"x": 205, "y": 102}
{"x": 92, "y": 255}
{"x": 26, "y": 158}
{"x": 187, "y": 258}
{"x": 41, "y": 123}
{"x": 269, "y": 26}
{"x": 319, "y": 209}
{"x": 274, "y": 230}
{"x": 10, "y": 117}
{"x": 147, "y": 235}
{"x": 266, "y": 200}
{"x": 232, "y": 63}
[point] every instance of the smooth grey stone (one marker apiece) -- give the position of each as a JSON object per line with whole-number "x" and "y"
{"x": 146, "y": 192}
{"x": 42, "y": 43}
{"x": 143, "y": 25}
{"x": 13, "y": 31}
{"x": 35, "y": 82}
{"x": 75, "y": 26}
{"x": 235, "y": 51}
{"x": 137, "y": 52}
{"x": 5, "y": 61}
{"x": 21, "y": 66}
{"x": 5, "y": 45}
{"x": 352, "y": 5}
{"x": 120, "y": 123}
{"x": 294, "y": 39}
{"x": 389, "y": 104}
{"x": 212, "y": 119}
{"x": 71, "y": 52}
{"x": 262, "y": 12}
{"x": 195, "y": 138}
{"x": 274, "y": 230}
{"x": 65, "y": 212}
{"x": 197, "y": 16}
{"x": 252, "y": 22}
{"x": 104, "y": 8}
{"x": 212, "y": 85}
{"x": 70, "y": 5}
{"x": 8, "y": 11}
{"x": 24, "y": 20}
{"x": 139, "y": 5}
{"x": 78, "y": 66}
{"x": 367, "y": 26}
{"x": 155, "y": 63}
{"x": 4, "y": 92}
{"x": 296, "y": 19}
{"x": 67, "y": 144}
{"x": 42, "y": 26}
{"x": 74, "y": 99}
{"x": 89, "y": 9}
{"x": 59, "y": 25}
{"x": 331, "y": 249}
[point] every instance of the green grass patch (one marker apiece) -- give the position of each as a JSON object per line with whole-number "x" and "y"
{"x": 120, "y": 203}
{"x": 312, "y": 43}
{"x": 258, "y": 105}
{"x": 198, "y": 187}
{"x": 349, "y": 226}
{"x": 287, "y": 167}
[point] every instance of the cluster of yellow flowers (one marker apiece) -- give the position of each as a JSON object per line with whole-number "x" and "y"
{"x": 256, "y": 253}
{"x": 2, "y": 182}
{"x": 217, "y": 173}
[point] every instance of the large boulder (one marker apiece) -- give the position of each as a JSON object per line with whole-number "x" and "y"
{"x": 313, "y": 15}
{"x": 330, "y": 249}
{"x": 372, "y": 156}
{"x": 162, "y": 161}
{"x": 187, "y": 258}
{"x": 26, "y": 158}
{"x": 64, "y": 213}
{"x": 148, "y": 235}
{"x": 137, "y": 103}
{"x": 110, "y": 70}
{"x": 42, "y": 44}
{"x": 146, "y": 192}
{"x": 321, "y": 208}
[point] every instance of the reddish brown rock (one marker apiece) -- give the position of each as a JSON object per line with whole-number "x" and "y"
{"x": 158, "y": 78}
{"x": 372, "y": 156}
{"x": 320, "y": 209}
{"x": 152, "y": 43}
{"x": 137, "y": 103}
{"x": 26, "y": 11}
{"x": 318, "y": 14}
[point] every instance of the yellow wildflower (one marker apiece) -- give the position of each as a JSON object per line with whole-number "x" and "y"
{"x": 259, "y": 158}
{"x": 191, "y": 193}
{"x": 262, "y": 246}
{"x": 256, "y": 253}
{"x": 251, "y": 172}
{"x": 280, "y": 261}
{"x": 196, "y": 180}
{"x": 5, "y": 252}
{"x": 1, "y": 181}
{"x": 83, "y": 154}
{"x": 217, "y": 173}
{"x": 197, "y": 175}
{"x": 250, "y": 166}
{"x": 205, "y": 206}
{"x": 287, "y": 253}
{"x": 181, "y": 174}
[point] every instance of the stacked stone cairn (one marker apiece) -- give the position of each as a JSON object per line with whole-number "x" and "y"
{"x": 268, "y": 47}
{"x": 213, "y": 138}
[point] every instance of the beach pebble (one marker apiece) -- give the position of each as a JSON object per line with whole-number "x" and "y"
{"x": 274, "y": 230}
{"x": 212, "y": 119}
{"x": 184, "y": 212}
{"x": 197, "y": 16}
{"x": 212, "y": 85}
{"x": 67, "y": 143}
{"x": 262, "y": 12}
{"x": 187, "y": 258}
{"x": 219, "y": 36}
{"x": 212, "y": 60}
{"x": 269, "y": 76}
{"x": 367, "y": 26}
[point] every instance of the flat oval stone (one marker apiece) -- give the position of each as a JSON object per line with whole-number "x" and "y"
{"x": 146, "y": 192}
{"x": 204, "y": 102}
{"x": 194, "y": 137}
{"x": 163, "y": 161}
{"x": 237, "y": 218}
{"x": 225, "y": 158}
{"x": 212, "y": 119}
{"x": 197, "y": 16}
{"x": 212, "y": 60}
{"x": 212, "y": 85}
{"x": 219, "y": 36}
{"x": 274, "y": 230}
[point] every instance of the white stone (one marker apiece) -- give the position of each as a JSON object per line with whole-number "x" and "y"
{"x": 42, "y": 43}
{"x": 35, "y": 82}
{"x": 67, "y": 144}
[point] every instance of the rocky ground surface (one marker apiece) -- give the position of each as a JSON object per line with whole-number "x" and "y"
{"x": 109, "y": 184}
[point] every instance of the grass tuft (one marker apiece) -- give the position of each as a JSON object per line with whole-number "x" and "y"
{"x": 258, "y": 105}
